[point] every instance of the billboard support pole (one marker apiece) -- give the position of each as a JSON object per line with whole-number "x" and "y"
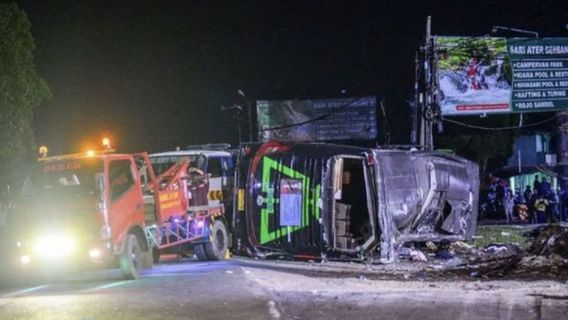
{"x": 426, "y": 138}
{"x": 416, "y": 104}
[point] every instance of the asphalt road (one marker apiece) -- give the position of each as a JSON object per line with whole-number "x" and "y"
{"x": 248, "y": 289}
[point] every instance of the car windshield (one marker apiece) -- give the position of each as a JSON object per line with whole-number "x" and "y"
{"x": 75, "y": 177}
{"x": 163, "y": 163}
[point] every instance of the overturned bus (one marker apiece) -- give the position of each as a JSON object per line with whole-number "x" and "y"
{"x": 314, "y": 200}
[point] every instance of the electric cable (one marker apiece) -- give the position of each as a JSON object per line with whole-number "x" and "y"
{"x": 471, "y": 126}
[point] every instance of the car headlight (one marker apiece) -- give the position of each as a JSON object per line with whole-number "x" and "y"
{"x": 54, "y": 246}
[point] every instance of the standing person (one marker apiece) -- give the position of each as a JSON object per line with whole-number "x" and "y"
{"x": 544, "y": 187}
{"x": 531, "y": 205}
{"x": 527, "y": 194}
{"x": 509, "y": 204}
{"x": 552, "y": 213}
{"x": 541, "y": 208}
{"x": 563, "y": 195}
{"x": 536, "y": 183}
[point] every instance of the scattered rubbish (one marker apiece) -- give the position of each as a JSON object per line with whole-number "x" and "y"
{"x": 461, "y": 245}
{"x": 431, "y": 246}
{"x": 454, "y": 262}
{"x": 444, "y": 254}
{"x": 496, "y": 249}
{"x": 535, "y": 262}
{"x": 417, "y": 256}
{"x": 444, "y": 251}
{"x": 551, "y": 240}
{"x": 548, "y": 252}
{"x": 229, "y": 271}
{"x": 505, "y": 234}
{"x": 404, "y": 253}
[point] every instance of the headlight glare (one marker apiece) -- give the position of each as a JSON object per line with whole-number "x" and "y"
{"x": 25, "y": 260}
{"x": 95, "y": 253}
{"x": 54, "y": 246}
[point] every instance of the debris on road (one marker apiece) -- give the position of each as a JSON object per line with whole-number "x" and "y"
{"x": 417, "y": 256}
{"x": 548, "y": 254}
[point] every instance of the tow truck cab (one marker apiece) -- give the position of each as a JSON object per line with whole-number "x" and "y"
{"x": 83, "y": 210}
{"x": 211, "y": 173}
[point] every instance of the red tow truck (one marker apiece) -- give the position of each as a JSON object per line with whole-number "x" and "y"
{"x": 106, "y": 209}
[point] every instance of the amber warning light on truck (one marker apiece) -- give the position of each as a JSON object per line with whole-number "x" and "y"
{"x": 106, "y": 143}
{"x": 43, "y": 151}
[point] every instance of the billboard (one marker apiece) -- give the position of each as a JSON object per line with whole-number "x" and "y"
{"x": 501, "y": 75}
{"x": 317, "y": 120}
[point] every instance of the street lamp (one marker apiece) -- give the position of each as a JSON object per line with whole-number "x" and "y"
{"x": 496, "y": 29}
{"x": 249, "y": 113}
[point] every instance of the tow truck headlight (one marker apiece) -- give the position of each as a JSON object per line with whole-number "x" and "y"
{"x": 54, "y": 246}
{"x": 95, "y": 253}
{"x": 25, "y": 260}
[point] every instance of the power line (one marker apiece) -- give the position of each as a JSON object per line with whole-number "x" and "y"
{"x": 471, "y": 126}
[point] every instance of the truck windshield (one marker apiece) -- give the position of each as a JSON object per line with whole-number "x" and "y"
{"x": 163, "y": 163}
{"x": 72, "y": 178}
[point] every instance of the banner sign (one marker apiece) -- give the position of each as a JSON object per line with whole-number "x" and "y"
{"x": 317, "y": 120}
{"x": 500, "y": 75}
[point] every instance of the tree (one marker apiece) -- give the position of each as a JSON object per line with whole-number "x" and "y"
{"x": 21, "y": 91}
{"x": 490, "y": 149}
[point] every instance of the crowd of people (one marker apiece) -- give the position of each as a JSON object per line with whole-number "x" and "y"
{"x": 538, "y": 203}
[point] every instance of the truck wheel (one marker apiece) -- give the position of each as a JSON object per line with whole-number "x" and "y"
{"x": 200, "y": 252}
{"x": 131, "y": 259}
{"x": 155, "y": 255}
{"x": 148, "y": 259}
{"x": 217, "y": 248}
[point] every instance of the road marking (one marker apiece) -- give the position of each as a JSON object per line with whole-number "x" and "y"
{"x": 273, "y": 310}
{"x": 27, "y": 290}
{"x": 159, "y": 275}
{"x": 107, "y": 286}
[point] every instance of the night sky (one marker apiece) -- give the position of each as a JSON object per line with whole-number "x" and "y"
{"x": 153, "y": 74}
